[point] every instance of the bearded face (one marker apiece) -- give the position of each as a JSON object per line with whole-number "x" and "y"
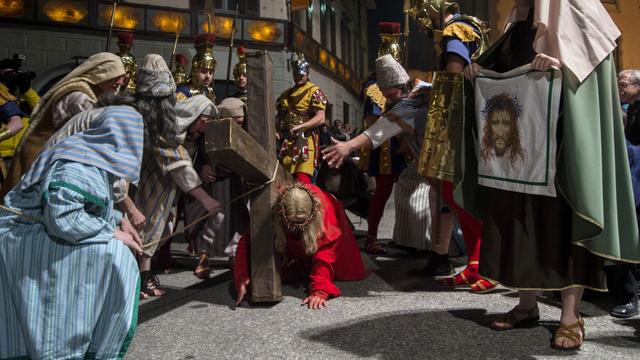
{"x": 501, "y": 130}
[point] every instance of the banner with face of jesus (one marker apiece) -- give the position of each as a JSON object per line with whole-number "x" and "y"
{"x": 517, "y": 118}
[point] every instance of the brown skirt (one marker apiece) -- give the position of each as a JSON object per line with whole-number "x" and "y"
{"x": 526, "y": 244}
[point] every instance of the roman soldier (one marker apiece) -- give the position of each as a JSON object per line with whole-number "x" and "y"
{"x": 203, "y": 66}
{"x": 384, "y": 163}
{"x": 459, "y": 39}
{"x": 180, "y": 74}
{"x": 240, "y": 76}
{"x": 125, "y": 43}
{"x": 300, "y": 111}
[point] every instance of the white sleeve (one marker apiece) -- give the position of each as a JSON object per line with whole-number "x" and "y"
{"x": 186, "y": 177}
{"x": 381, "y": 131}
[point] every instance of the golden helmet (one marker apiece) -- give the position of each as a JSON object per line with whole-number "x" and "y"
{"x": 180, "y": 75}
{"x": 204, "y": 53}
{"x": 125, "y": 42}
{"x": 423, "y": 10}
{"x": 241, "y": 67}
{"x": 390, "y": 40}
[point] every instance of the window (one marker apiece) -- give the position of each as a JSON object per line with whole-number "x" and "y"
{"x": 183, "y": 4}
{"x": 332, "y": 38}
{"x": 327, "y": 26}
{"x": 345, "y": 41}
{"x": 246, "y": 7}
{"x": 345, "y": 112}
{"x": 309, "y": 13}
{"x": 328, "y": 114}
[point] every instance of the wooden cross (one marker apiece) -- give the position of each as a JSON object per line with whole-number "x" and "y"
{"x": 252, "y": 155}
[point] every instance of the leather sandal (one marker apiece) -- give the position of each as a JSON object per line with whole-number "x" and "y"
{"x": 203, "y": 270}
{"x": 460, "y": 279}
{"x": 516, "y": 318}
{"x": 150, "y": 285}
{"x": 483, "y": 286}
{"x": 567, "y": 332}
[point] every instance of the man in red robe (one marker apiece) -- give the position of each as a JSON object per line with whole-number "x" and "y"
{"x": 316, "y": 242}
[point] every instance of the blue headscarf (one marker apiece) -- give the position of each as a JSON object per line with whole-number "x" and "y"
{"x": 114, "y": 144}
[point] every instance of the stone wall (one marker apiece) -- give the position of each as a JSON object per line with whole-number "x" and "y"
{"x": 49, "y": 53}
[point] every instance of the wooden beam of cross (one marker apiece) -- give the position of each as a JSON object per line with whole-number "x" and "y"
{"x": 252, "y": 155}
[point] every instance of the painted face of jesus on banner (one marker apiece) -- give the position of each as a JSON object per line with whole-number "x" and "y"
{"x": 500, "y": 135}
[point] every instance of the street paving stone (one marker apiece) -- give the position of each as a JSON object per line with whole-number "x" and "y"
{"x": 386, "y": 316}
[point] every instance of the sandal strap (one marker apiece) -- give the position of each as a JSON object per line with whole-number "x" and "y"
{"x": 566, "y": 331}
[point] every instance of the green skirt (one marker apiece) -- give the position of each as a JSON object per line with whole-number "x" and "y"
{"x": 538, "y": 242}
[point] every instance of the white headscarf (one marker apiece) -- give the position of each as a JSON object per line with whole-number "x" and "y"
{"x": 579, "y": 33}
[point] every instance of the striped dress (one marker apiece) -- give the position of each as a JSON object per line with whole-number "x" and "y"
{"x": 69, "y": 289}
{"x": 158, "y": 191}
{"x": 413, "y": 214}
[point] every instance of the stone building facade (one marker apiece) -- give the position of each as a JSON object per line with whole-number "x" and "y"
{"x": 53, "y": 47}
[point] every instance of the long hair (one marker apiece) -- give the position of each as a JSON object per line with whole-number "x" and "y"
{"x": 159, "y": 114}
{"x": 307, "y": 231}
{"x": 510, "y": 104}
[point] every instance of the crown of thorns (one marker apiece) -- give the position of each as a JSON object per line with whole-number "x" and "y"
{"x": 281, "y": 209}
{"x": 502, "y": 101}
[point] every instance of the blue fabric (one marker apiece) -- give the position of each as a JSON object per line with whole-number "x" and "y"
{"x": 462, "y": 49}
{"x": 454, "y": 45}
{"x": 9, "y": 110}
{"x": 69, "y": 289}
{"x": 371, "y": 108}
{"x": 115, "y": 145}
{"x": 184, "y": 89}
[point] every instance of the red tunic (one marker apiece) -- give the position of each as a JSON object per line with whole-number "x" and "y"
{"x": 337, "y": 258}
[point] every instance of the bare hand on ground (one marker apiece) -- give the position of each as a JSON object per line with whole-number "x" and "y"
{"x": 315, "y": 302}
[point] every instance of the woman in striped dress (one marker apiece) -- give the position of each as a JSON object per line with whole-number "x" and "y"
{"x": 69, "y": 279}
{"x": 168, "y": 169}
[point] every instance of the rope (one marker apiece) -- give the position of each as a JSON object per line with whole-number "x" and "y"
{"x": 195, "y": 222}
{"x": 146, "y": 246}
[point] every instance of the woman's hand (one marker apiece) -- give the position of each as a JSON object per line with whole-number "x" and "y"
{"x": 543, "y": 62}
{"x": 128, "y": 240}
{"x": 336, "y": 153}
{"x": 315, "y": 302}
{"x": 136, "y": 217}
{"x": 207, "y": 174}
{"x": 471, "y": 71}
{"x": 212, "y": 205}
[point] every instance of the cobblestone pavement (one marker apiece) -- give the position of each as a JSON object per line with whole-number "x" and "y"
{"x": 386, "y": 316}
